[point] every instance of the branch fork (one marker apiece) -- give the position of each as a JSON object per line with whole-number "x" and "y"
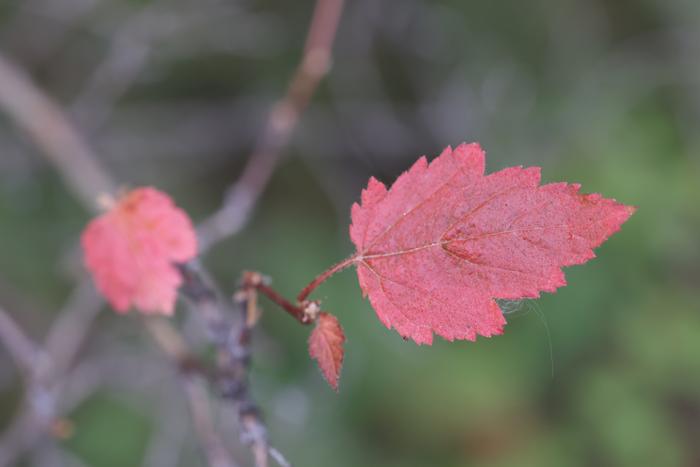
{"x": 304, "y": 310}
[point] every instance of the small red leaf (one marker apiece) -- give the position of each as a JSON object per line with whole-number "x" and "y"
{"x": 326, "y": 347}
{"x": 436, "y": 249}
{"x": 131, "y": 250}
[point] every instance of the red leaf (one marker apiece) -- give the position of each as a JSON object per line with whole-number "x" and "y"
{"x": 326, "y": 347}
{"x": 436, "y": 249}
{"x": 131, "y": 250}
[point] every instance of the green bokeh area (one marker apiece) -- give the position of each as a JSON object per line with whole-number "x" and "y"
{"x": 605, "y": 372}
{"x": 98, "y": 417}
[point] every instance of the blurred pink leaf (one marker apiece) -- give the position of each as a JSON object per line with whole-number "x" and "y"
{"x": 131, "y": 250}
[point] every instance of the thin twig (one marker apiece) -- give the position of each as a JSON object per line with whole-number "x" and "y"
{"x": 129, "y": 51}
{"x": 54, "y": 133}
{"x": 175, "y": 347}
{"x": 71, "y": 327}
{"x": 168, "y": 339}
{"x": 296, "y": 311}
{"x": 240, "y": 199}
{"x": 168, "y": 441}
{"x": 46, "y": 371}
{"x": 23, "y": 432}
{"x": 23, "y": 351}
{"x": 233, "y": 345}
{"x": 209, "y": 438}
{"x": 50, "y": 128}
{"x": 236, "y": 356}
{"x": 233, "y": 342}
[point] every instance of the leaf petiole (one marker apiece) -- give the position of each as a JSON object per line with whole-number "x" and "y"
{"x": 304, "y": 311}
{"x": 321, "y": 278}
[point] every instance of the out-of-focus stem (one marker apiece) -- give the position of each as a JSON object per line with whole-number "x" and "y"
{"x": 48, "y": 126}
{"x": 19, "y": 346}
{"x": 235, "y": 211}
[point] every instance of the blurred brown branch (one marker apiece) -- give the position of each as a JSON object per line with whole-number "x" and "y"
{"x": 68, "y": 331}
{"x": 232, "y": 341}
{"x": 198, "y": 399}
{"x": 128, "y": 53}
{"x": 47, "y": 369}
{"x": 51, "y": 129}
{"x": 45, "y": 123}
{"x": 20, "y": 347}
{"x": 174, "y": 346}
{"x": 240, "y": 199}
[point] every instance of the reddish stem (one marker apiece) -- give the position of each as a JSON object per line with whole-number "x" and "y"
{"x": 299, "y": 310}
{"x": 306, "y": 291}
{"x": 296, "y": 311}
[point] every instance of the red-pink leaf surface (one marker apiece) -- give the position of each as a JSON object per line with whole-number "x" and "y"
{"x": 326, "y": 347}
{"x": 131, "y": 250}
{"x": 436, "y": 249}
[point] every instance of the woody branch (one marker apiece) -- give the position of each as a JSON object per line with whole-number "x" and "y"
{"x": 66, "y": 149}
{"x": 242, "y": 196}
{"x": 46, "y": 124}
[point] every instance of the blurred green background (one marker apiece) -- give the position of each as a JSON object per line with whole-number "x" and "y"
{"x": 606, "y": 93}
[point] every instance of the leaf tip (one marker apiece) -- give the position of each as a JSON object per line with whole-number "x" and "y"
{"x": 472, "y": 156}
